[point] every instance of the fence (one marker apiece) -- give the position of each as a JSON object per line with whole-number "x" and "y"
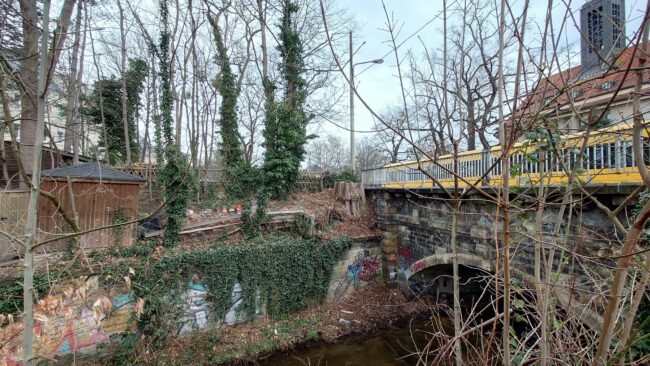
{"x": 148, "y": 172}
{"x": 13, "y": 216}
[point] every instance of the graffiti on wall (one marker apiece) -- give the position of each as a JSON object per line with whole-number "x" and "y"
{"x": 196, "y": 310}
{"x": 74, "y": 319}
{"x": 365, "y": 267}
{"x": 403, "y": 263}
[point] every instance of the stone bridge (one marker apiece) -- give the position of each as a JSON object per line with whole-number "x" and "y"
{"x": 416, "y": 242}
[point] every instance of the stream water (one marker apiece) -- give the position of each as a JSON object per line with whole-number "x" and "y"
{"x": 388, "y": 348}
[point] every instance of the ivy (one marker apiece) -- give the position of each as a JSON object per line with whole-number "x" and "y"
{"x": 178, "y": 180}
{"x": 252, "y": 222}
{"x": 175, "y": 177}
{"x": 11, "y": 292}
{"x": 286, "y": 122}
{"x": 330, "y": 179}
{"x": 118, "y": 216}
{"x": 284, "y": 273}
{"x": 240, "y": 183}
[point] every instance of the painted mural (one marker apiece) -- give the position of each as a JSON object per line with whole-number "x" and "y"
{"x": 75, "y": 318}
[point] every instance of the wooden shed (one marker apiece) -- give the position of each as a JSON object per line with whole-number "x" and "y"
{"x": 102, "y": 195}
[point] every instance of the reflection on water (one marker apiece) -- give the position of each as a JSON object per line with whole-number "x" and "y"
{"x": 390, "y": 348}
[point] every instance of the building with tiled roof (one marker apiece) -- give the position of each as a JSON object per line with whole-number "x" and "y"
{"x": 600, "y": 93}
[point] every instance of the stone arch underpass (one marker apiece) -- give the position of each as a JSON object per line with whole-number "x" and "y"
{"x": 433, "y": 276}
{"x": 416, "y": 241}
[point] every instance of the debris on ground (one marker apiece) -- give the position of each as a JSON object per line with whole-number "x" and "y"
{"x": 367, "y": 310}
{"x": 331, "y": 216}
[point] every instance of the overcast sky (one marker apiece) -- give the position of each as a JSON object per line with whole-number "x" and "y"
{"x": 378, "y": 84}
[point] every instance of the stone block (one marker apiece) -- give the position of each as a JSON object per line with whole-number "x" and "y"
{"x": 389, "y": 250}
{"x": 440, "y": 224}
{"x": 480, "y": 232}
{"x": 483, "y": 250}
{"x": 440, "y": 250}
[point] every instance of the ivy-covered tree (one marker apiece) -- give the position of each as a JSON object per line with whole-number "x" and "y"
{"x": 240, "y": 184}
{"x": 110, "y": 90}
{"x": 175, "y": 176}
{"x": 286, "y": 123}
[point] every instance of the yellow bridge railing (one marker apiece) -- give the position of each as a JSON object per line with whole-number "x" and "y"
{"x": 608, "y": 159}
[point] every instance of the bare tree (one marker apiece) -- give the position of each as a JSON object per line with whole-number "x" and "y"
{"x": 327, "y": 154}
{"x": 369, "y": 155}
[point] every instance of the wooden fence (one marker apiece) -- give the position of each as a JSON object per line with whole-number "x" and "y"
{"x": 13, "y": 217}
{"x": 309, "y": 181}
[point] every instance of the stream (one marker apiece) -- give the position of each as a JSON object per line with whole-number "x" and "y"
{"x": 387, "y": 348}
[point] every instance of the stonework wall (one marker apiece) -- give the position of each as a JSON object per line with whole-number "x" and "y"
{"x": 417, "y": 235}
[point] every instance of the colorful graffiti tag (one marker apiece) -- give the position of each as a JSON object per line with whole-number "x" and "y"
{"x": 71, "y": 321}
{"x": 196, "y": 308}
{"x": 417, "y": 266}
{"x": 403, "y": 263}
{"x": 364, "y": 268}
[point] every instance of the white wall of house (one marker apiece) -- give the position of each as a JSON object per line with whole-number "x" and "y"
{"x": 54, "y": 119}
{"x": 620, "y": 111}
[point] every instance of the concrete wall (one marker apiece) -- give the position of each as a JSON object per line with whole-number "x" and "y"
{"x": 82, "y": 314}
{"x": 359, "y": 265}
{"x": 77, "y": 317}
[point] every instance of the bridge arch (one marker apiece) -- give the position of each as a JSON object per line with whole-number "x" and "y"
{"x": 432, "y": 275}
{"x": 464, "y": 259}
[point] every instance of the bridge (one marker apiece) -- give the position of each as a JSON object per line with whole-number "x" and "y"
{"x": 415, "y": 215}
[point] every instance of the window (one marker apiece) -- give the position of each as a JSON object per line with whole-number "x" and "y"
{"x": 616, "y": 25}
{"x": 595, "y": 29}
{"x": 607, "y": 85}
{"x": 59, "y": 136}
{"x": 17, "y": 130}
{"x": 576, "y": 93}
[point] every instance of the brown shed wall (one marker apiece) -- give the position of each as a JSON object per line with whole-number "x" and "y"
{"x": 97, "y": 204}
{"x": 13, "y": 216}
{"x": 50, "y": 160}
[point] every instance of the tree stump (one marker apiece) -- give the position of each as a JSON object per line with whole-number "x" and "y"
{"x": 352, "y": 195}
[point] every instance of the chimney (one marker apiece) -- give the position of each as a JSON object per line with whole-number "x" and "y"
{"x": 602, "y": 23}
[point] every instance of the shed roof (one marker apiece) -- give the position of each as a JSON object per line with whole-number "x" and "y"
{"x": 91, "y": 171}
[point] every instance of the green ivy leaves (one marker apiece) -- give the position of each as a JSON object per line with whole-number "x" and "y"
{"x": 283, "y": 273}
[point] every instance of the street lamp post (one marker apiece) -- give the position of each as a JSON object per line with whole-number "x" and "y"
{"x": 352, "y": 65}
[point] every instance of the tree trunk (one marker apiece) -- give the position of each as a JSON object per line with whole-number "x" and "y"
{"x": 29, "y": 76}
{"x": 125, "y": 121}
{"x": 352, "y": 196}
{"x": 70, "y": 118}
{"x": 458, "y": 352}
{"x": 32, "y": 208}
{"x": 79, "y": 147}
{"x": 101, "y": 98}
{"x": 7, "y": 123}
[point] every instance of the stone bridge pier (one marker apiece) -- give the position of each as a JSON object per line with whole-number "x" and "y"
{"x": 416, "y": 243}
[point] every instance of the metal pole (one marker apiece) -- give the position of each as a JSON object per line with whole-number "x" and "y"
{"x": 352, "y": 149}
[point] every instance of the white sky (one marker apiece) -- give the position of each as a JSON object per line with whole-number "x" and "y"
{"x": 379, "y": 84}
